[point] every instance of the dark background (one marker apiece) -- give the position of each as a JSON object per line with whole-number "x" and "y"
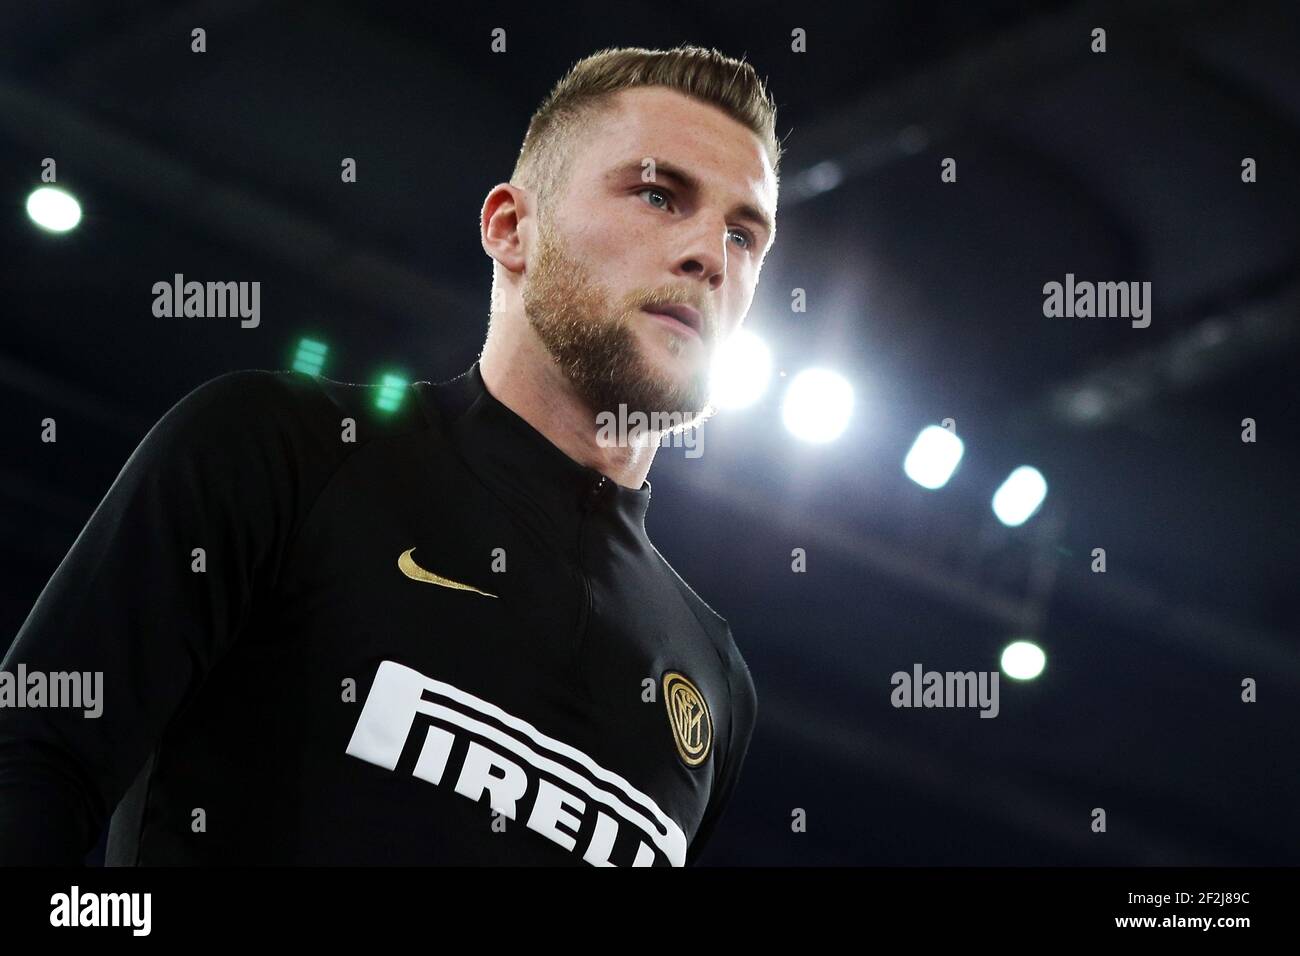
{"x": 1123, "y": 166}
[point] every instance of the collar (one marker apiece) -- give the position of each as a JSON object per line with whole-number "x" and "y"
{"x": 521, "y": 464}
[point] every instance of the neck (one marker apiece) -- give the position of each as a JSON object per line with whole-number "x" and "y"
{"x": 521, "y": 375}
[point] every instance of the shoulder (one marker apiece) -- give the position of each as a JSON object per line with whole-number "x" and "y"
{"x": 260, "y": 404}
{"x": 708, "y": 617}
{"x": 247, "y": 431}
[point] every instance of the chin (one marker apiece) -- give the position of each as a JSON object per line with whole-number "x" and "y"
{"x": 680, "y": 369}
{"x": 672, "y": 353}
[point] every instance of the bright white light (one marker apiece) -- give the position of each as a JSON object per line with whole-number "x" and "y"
{"x": 817, "y": 406}
{"x": 933, "y": 458}
{"x": 740, "y": 372}
{"x": 53, "y": 209}
{"x": 1023, "y": 660}
{"x": 1020, "y": 495}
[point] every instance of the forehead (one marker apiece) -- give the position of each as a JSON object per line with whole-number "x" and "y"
{"x": 665, "y": 125}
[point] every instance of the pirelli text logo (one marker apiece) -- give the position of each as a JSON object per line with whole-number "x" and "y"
{"x": 477, "y": 750}
{"x": 688, "y": 715}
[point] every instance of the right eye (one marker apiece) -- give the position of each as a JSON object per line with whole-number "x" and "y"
{"x": 662, "y": 192}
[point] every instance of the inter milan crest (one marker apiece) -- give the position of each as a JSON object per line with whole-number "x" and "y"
{"x": 688, "y": 715}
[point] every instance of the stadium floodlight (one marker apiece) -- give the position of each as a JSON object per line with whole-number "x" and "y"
{"x": 53, "y": 209}
{"x": 933, "y": 457}
{"x": 741, "y": 371}
{"x": 1020, "y": 496}
{"x": 1023, "y": 660}
{"x": 818, "y": 404}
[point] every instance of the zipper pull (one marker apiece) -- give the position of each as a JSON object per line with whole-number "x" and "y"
{"x": 594, "y": 495}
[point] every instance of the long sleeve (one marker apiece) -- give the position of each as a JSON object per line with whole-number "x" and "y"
{"x": 218, "y": 472}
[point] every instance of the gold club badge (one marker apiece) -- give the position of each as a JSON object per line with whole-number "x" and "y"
{"x": 688, "y": 715}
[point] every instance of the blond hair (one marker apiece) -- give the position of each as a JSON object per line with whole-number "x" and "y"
{"x": 587, "y": 91}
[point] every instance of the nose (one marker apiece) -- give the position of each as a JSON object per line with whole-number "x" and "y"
{"x": 705, "y": 257}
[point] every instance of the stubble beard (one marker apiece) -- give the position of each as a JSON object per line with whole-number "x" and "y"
{"x": 592, "y": 340}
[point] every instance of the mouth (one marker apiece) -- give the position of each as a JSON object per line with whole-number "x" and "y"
{"x": 683, "y": 317}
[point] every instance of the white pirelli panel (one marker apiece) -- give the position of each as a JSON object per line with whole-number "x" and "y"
{"x": 517, "y": 752}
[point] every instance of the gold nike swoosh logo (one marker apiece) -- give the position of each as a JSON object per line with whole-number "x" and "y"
{"x": 416, "y": 573}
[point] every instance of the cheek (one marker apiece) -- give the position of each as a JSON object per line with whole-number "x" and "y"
{"x": 741, "y": 293}
{"x": 620, "y": 256}
{"x": 605, "y": 242}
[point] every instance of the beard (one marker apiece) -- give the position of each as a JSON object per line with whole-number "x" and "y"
{"x": 593, "y": 341}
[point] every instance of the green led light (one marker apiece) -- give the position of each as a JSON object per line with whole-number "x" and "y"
{"x": 390, "y": 393}
{"x": 310, "y": 357}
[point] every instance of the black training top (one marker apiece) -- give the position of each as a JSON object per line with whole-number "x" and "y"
{"x": 330, "y": 633}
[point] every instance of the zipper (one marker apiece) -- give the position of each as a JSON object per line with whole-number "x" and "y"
{"x": 591, "y": 501}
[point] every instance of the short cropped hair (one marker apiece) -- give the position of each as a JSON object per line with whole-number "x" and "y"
{"x": 587, "y": 91}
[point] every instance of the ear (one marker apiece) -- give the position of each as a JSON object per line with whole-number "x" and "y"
{"x": 504, "y": 210}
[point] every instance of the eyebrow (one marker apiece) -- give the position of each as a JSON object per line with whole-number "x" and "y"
{"x": 690, "y": 183}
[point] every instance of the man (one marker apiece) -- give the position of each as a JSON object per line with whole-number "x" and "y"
{"x": 439, "y": 636}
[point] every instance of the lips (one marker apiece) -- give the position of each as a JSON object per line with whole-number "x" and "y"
{"x": 685, "y": 314}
